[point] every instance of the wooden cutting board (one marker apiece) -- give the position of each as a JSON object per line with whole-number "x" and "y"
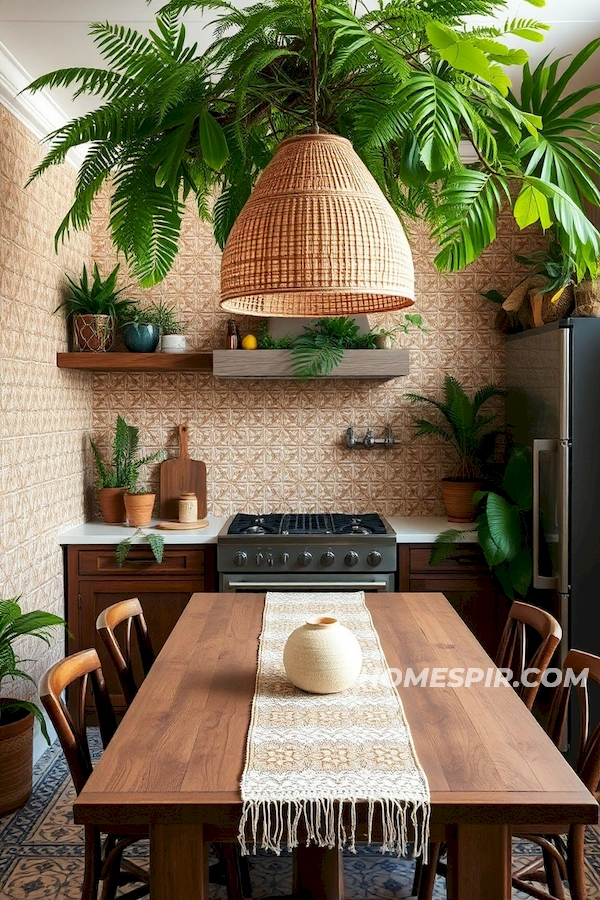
{"x": 181, "y": 475}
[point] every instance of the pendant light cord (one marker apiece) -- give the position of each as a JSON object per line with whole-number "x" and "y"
{"x": 314, "y": 66}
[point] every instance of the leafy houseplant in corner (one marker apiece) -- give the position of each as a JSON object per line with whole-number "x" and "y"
{"x": 503, "y": 528}
{"x": 94, "y": 306}
{"x": 172, "y": 330}
{"x": 121, "y": 475}
{"x": 470, "y": 434}
{"x": 17, "y": 716}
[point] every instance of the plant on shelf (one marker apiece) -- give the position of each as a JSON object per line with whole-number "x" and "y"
{"x": 470, "y": 433}
{"x": 122, "y": 473}
{"x": 140, "y": 329}
{"x": 405, "y": 82}
{"x": 321, "y": 348}
{"x": 385, "y": 337}
{"x": 503, "y": 528}
{"x": 94, "y": 306}
{"x": 172, "y": 329}
{"x": 17, "y": 716}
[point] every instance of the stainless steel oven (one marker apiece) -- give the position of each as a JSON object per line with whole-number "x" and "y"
{"x": 306, "y": 552}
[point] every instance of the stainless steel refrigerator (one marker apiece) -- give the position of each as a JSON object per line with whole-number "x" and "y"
{"x": 553, "y": 407}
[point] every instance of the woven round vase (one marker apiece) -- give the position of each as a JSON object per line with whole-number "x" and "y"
{"x": 322, "y": 656}
{"x": 317, "y": 237}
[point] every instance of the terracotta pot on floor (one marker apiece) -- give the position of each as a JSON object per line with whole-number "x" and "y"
{"x": 16, "y": 761}
{"x": 112, "y": 505}
{"x": 458, "y": 499}
{"x": 139, "y": 509}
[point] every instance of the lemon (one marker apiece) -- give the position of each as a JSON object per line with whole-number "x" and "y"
{"x": 249, "y": 342}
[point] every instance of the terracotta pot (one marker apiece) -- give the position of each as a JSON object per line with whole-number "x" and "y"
{"x": 94, "y": 333}
{"x": 139, "y": 509}
{"x": 112, "y": 505}
{"x": 322, "y": 656}
{"x": 16, "y": 762}
{"x": 458, "y": 499}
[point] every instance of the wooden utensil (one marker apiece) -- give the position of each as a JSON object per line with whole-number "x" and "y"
{"x": 183, "y": 526}
{"x": 182, "y": 475}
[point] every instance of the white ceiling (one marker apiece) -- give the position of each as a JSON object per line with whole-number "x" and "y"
{"x": 50, "y": 34}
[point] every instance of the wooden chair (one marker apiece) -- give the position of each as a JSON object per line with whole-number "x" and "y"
{"x": 562, "y": 860}
{"x": 129, "y": 613}
{"x": 512, "y": 654}
{"x": 103, "y": 863}
{"x": 232, "y": 870}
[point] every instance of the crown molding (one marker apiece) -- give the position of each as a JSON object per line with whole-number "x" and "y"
{"x": 38, "y": 112}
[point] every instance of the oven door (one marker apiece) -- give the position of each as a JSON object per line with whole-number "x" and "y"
{"x": 261, "y": 582}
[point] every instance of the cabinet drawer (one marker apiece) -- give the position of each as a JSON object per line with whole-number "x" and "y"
{"x": 179, "y": 562}
{"x": 470, "y": 558}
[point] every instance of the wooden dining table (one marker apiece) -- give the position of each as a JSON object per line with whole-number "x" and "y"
{"x": 176, "y": 760}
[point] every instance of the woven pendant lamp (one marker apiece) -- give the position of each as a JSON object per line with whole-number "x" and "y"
{"x": 317, "y": 237}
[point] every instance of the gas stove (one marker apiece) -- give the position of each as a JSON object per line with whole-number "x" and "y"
{"x": 306, "y": 551}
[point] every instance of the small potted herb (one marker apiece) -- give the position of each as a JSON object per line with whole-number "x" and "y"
{"x": 140, "y": 330}
{"x": 172, "y": 330}
{"x": 94, "y": 307}
{"x": 121, "y": 474}
{"x": 385, "y": 337}
{"x": 472, "y": 437}
{"x": 17, "y": 716}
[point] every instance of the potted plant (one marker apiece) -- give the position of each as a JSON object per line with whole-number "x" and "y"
{"x": 503, "y": 528}
{"x": 140, "y": 330}
{"x": 385, "y": 337}
{"x": 94, "y": 307}
{"x": 172, "y": 330}
{"x": 471, "y": 436}
{"x": 121, "y": 474}
{"x": 17, "y": 716}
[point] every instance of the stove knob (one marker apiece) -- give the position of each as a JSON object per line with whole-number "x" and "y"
{"x": 374, "y": 558}
{"x": 240, "y": 558}
{"x": 260, "y": 558}
{"x": 351, "y": 558}
{"x": 328, "y": 558}
{"x": 270, "y": 560}
{"x": 285, "y": 558}
{"x": 305, "y": 558}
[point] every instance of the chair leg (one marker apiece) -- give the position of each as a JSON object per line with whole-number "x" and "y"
{"x": 110, "y": 882}
{"x": 93, "y": 864}
{"x": 418, "y": 877}
{"x": 553, "y": 879}
{"x": 429, "y": 872}
{"x": 576, "y": 862}
{"x": 231, "y": 859}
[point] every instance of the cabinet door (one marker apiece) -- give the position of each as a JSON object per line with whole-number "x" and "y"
{"x": 163, "y": 601}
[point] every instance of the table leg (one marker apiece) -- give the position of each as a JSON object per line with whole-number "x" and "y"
{"x": 479, "y": 862}
{"x": 178, "y": 863}
{"x": 318, "y": 873}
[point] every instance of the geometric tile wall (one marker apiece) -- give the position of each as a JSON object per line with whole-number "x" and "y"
{"x": 275, "y": 446}
{"x": 45, "y": 413}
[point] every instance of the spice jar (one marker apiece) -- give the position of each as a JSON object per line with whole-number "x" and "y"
{"x": 188, "y": 508}
{"x": 233, "y": 335}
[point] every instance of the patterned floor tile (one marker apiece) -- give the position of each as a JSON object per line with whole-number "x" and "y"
{"x": 41, "y": 852}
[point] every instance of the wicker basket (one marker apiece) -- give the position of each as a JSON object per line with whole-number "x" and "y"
{"x": 316, "y": 238}
{"x": 587, "y": 299}
{"x": 535, "y": 307}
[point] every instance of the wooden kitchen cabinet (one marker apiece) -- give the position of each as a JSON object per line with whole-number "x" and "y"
{"x": 95, "y": 581}
{"x": 465, "y": 580}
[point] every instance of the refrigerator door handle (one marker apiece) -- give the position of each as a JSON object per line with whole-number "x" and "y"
{"x": 564, "y": 462}
{"x": 541, "y": 582}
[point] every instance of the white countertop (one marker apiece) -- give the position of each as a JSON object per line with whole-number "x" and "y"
{"x": 409, "y": 530}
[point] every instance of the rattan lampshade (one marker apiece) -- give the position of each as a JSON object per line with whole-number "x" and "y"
{"x": 316, "y": 238}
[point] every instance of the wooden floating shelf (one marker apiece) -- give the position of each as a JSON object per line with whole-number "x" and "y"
{"x": 136, "y": 362}
{"x": 276, "y": 364}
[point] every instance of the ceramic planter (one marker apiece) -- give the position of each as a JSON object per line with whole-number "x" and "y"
{"x": 322, "y": 656}
{"x": 93, "y": 333}
{"x": 16, "y": 761}
{"x": 141, "y": 338}
{"x": 139, "y": 509}
{"x": 112, "y": 505}
{"x": 384, "y": 342}
{"x": 458, "y": 499}
{"x": 173, "y": 343}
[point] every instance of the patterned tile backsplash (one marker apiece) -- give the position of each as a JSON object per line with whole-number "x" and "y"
{"x": 278, "y": 445}
{"x": 45, "y": 413}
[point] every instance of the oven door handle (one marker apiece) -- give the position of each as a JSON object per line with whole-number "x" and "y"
{"x": 286, "y": 585}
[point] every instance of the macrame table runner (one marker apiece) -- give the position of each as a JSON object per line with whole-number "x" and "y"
{"x": 309, "y": 757}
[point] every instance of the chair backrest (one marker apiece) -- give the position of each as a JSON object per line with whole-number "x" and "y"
{"x": 587, "y": 761}
{"x": 84, "y": 668}
{"x": 128, "y": 613}
{"x": 512, "y": 652}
